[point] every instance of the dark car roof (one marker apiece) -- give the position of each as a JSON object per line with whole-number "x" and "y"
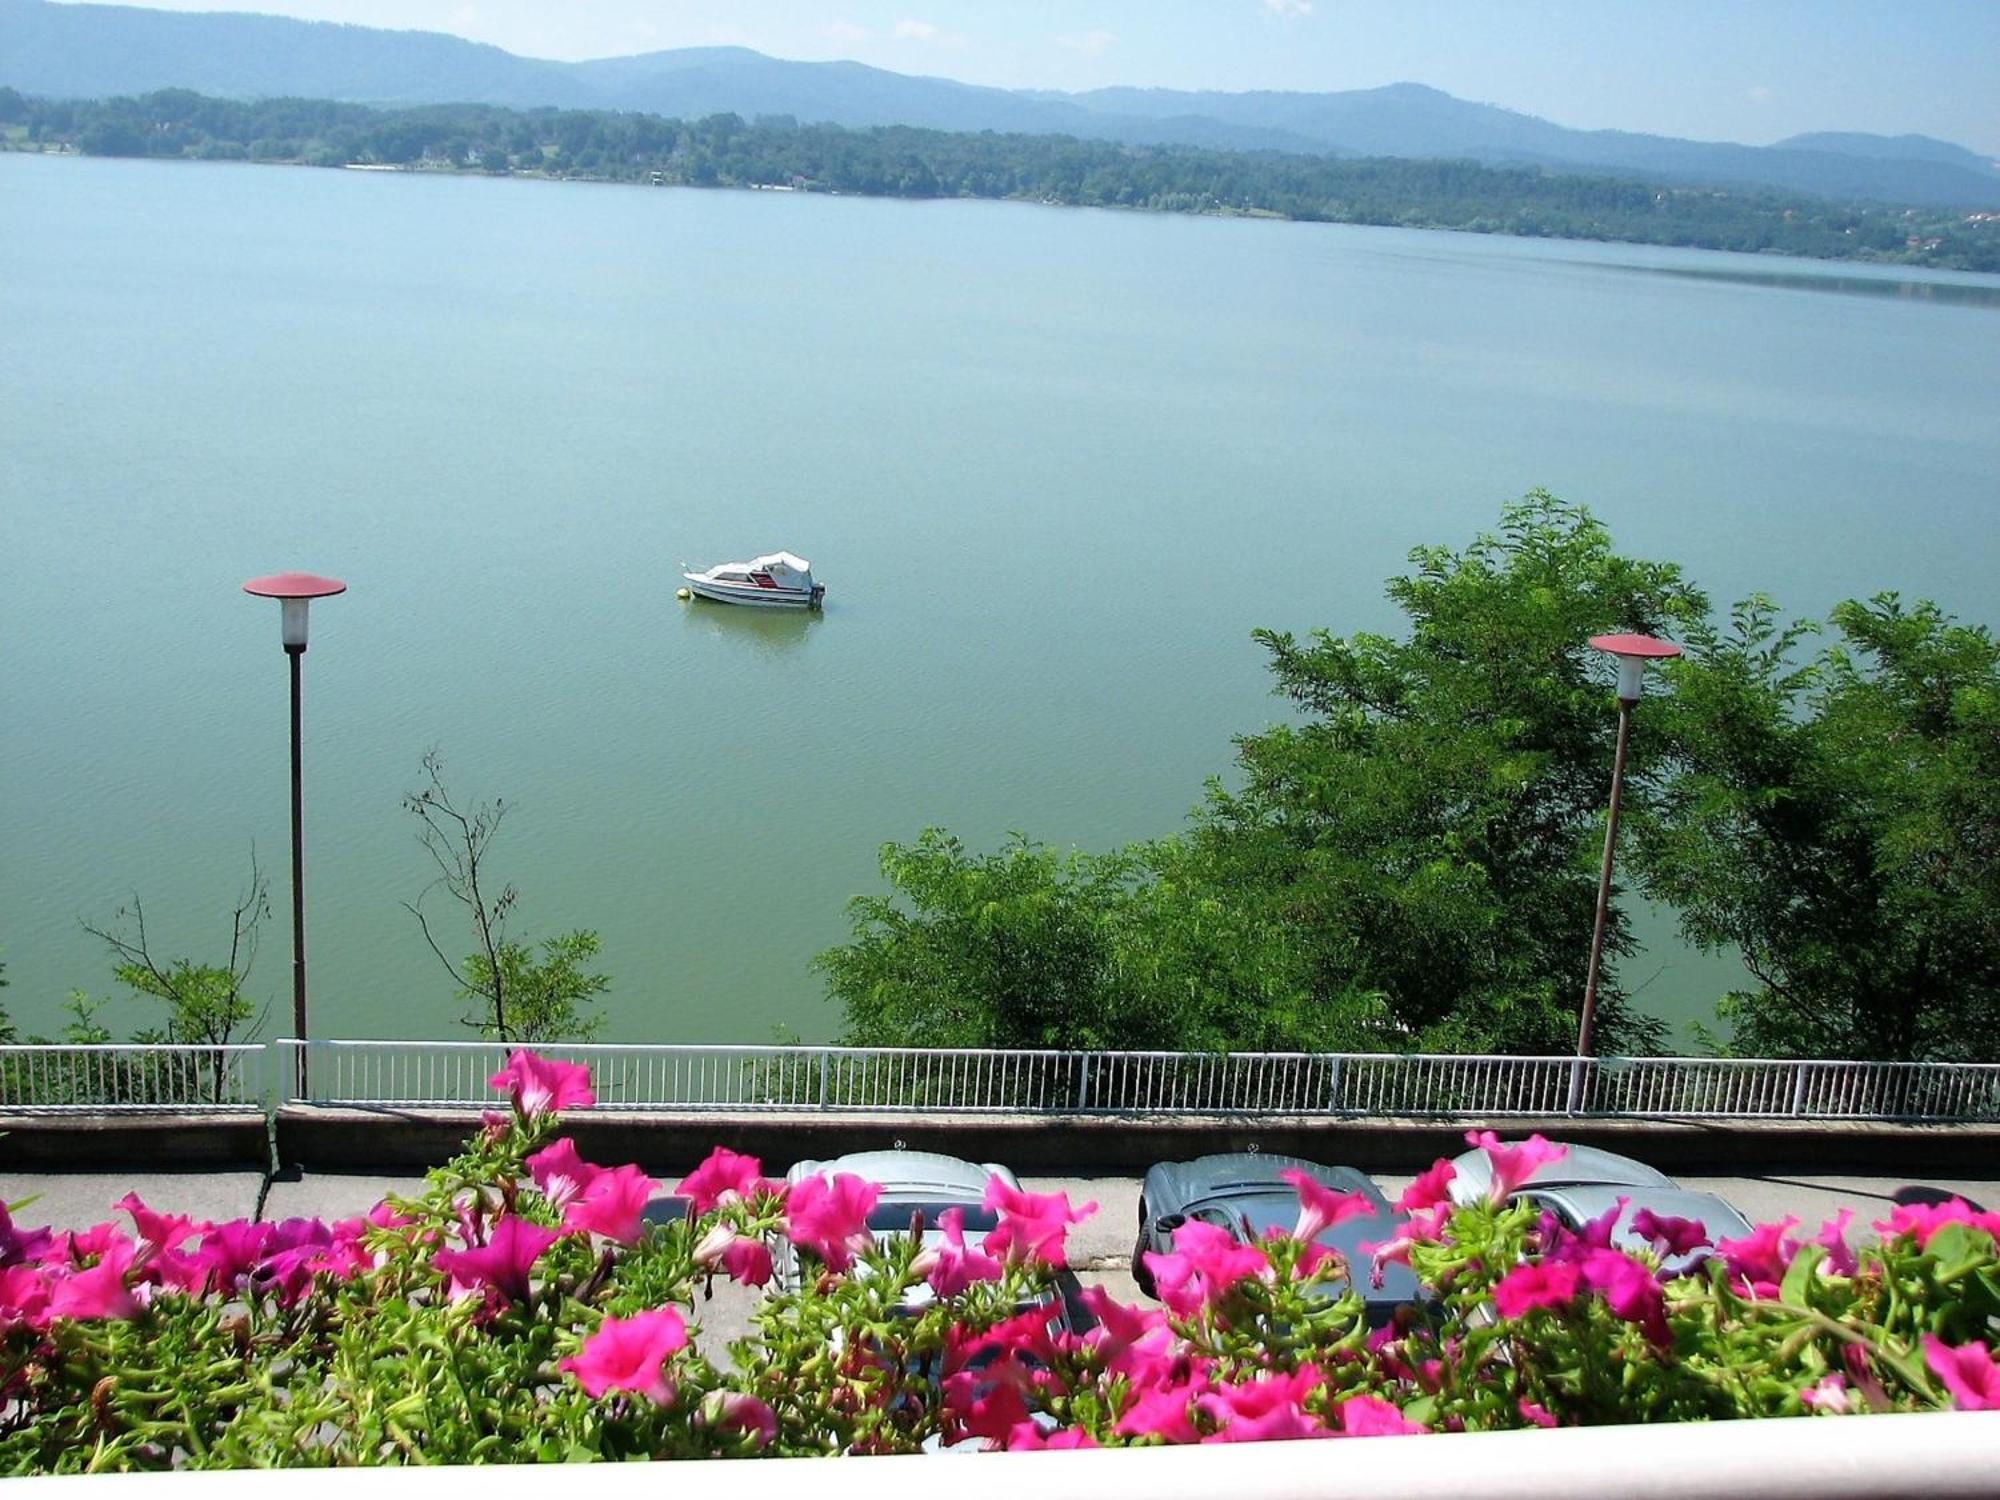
{"x": 1171, "y": 1186}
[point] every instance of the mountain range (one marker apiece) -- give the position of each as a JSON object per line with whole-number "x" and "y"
{"x": 95, "y": 51}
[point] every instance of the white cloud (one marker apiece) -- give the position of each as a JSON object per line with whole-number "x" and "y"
{"x": 1289, "y": 9}
{"x": 465, "y": 17}
{"x": 1089, "y": 44}
{"x": 1761, "y": 94}
{"x": 846, "y": 33}
{"x": 925, "y": 32}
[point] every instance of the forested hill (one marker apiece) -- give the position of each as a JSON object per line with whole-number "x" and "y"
{"x": 99, "y": 51}
{"x": 724, "y": 150}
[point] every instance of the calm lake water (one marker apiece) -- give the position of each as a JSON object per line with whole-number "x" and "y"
{"x": 1053, "y": 466}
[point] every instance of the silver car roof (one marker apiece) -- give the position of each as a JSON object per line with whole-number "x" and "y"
{"x": 1473, "y": 1173}
{"x": 1585, "y": 1202}
{"x": 911, "y": 1174}
{"x": 1172, "y": 1185}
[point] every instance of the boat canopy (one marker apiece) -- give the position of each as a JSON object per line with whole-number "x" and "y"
{"x": 782, "y": 562}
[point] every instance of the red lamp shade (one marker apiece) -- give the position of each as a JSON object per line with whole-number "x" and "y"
{"x": 294, "y": 592}
{"x": 1633, "y": 652}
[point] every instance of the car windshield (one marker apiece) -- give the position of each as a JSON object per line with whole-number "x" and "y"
{"x": 1257, "y": 1217}
{"x": 890, "y": 1217}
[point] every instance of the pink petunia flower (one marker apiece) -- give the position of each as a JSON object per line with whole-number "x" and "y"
{"x": 1271, "y": 1408}
{"x": 1320, "y": 1207}
{"x": 1536, "y": 1413}
{"x": 737, "y": 1411}
{"x": 1432, "y": 1187}
{"x": 1423, "y": 1226}
{"x": 24, "y": 1296}
{"x": 17, "y": 1245}
{"x": 158, "y": 1231}
{"x": 630, "y": 1354}
{"x": 1760, "y": 1258}
{"x": 1119, "y": 1327}
{"x": 1830, "y": 1394}
{"x": 1032, "y": 1226}
{"x": 1542, "y": 1284}
{"x": 560, "y": 1174}
{"x": 1028, "y": 1437}
{"x": 1671, "y": 1236}
{"x": 1371, "y": 1416}
{"x": 726, "y": 1177}
{"x": 98, "y": 1292}
{"x": 1205, "y": 1263}
{"x": 1832, "y": 1236}
{"x": 951, "y": 1265}
{"x": 830, "y": 1218}
{"x": 228, "y": 1252}
{"x": 743, "y": 1258}
{"x": 503, "y": 1263}
{"x": 1163, "y": 1412}
{"x": 1919, "y": 1221}
{"x": 1969, "y": 1373}
{"x": 541, "y": 1085}
{"x": 1630, "y": 1290}
{"x": 1513, "y": 1165}
{"x": 292, "y": 1255}
{"x": 614, "y": 1205}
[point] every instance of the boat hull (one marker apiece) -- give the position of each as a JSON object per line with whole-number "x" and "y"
{"x": 750, "y": 594}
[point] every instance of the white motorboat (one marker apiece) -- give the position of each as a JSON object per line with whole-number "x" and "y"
{"x": 777, "y": 581}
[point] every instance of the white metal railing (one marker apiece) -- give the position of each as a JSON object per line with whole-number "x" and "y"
{"x": 46, "y": 1078}
{"x": 132, "y": 1077}
{"x": 962, "y": 1081}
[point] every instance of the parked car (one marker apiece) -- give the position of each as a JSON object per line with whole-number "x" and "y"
{"x": 912, "y": 1182}
{"x": 1244, "y": 1193}
{"x": 1578, "y": 1166}
{"x": 1576, "y": 1206}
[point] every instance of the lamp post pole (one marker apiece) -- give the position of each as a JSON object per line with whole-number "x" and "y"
{"x": 1633, "y": 652}
{"x": 294, "y": 593}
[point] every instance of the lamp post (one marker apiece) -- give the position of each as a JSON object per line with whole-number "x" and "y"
{"x": 1633, "y": 652}
{"x": 295, "y": 593}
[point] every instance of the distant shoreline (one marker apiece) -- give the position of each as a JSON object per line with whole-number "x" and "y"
{"x": 1056, "y": 171}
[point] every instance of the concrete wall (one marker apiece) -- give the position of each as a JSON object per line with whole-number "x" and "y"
{"x": 325, "y": 1139}
{"x": 138, "y": 1142}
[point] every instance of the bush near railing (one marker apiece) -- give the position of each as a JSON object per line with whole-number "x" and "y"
{"x": 136, "y": 1077}
{"x": 522, "y": 1307}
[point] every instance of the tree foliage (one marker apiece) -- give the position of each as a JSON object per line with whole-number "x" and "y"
{"x": 207, "y": 1004}
{"x": 1028, "y": 947}
{"x": 1838, "y": 822}
{"x": 520, "y": 990}
{"x": 1409, "y": 865}
{"x": 1428, "y": 829}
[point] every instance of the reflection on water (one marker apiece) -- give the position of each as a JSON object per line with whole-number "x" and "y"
{"x": 1958, "y": 293}
{"x": 766, "y": 632}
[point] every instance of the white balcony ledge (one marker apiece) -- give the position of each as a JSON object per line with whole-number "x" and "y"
{"x": 1932, "y": 1456}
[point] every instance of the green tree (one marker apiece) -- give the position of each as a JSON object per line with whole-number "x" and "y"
{"x": 207, "y": 1004}
{"x": 1838, "y": 823}
{"x": 1427, "y": 832}
{"x": 520, "y": 990}
{"x": 1028, "y": 947}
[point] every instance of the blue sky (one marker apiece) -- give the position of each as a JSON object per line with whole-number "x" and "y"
{"x": 1745, "y": 70}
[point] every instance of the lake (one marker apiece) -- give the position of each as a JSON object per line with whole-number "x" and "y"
{"x": 1053, "y": 466}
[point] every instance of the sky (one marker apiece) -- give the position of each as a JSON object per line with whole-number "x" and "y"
{"x": 1742, "y": 70}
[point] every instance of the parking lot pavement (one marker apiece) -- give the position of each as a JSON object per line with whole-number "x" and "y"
{"x": 332, "y": 1195}
{"x": 77, "y": 1200}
